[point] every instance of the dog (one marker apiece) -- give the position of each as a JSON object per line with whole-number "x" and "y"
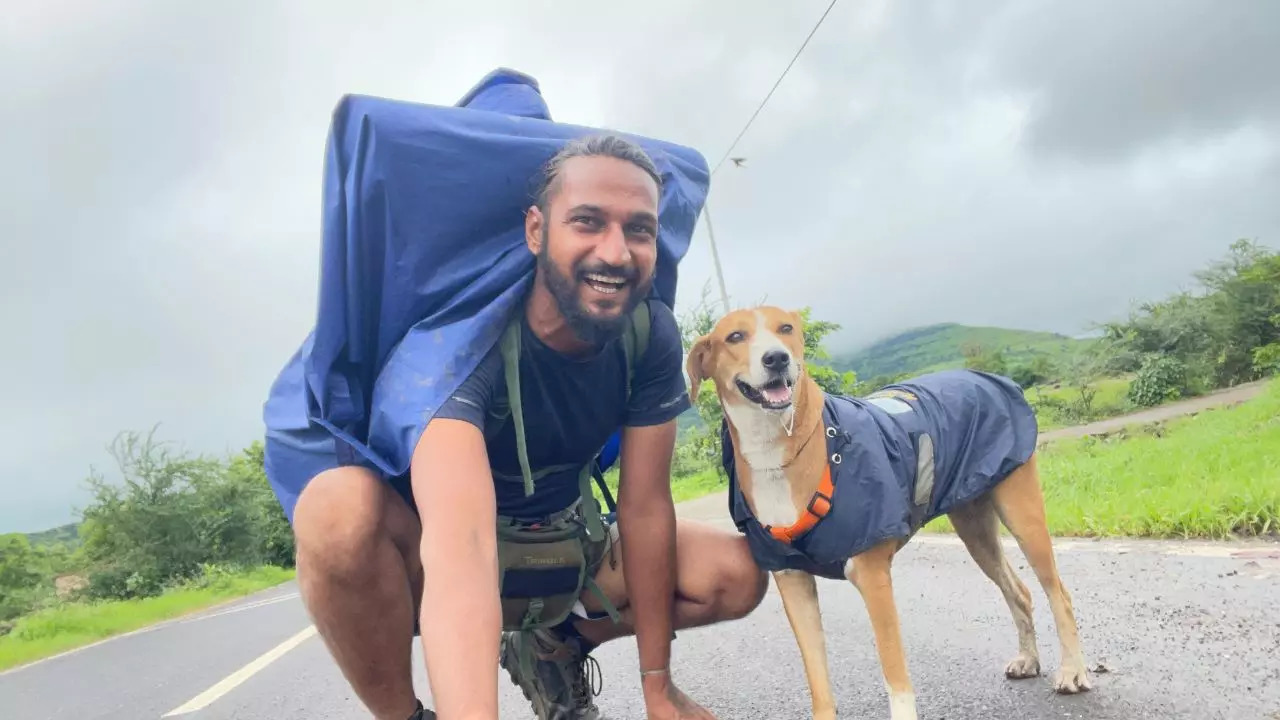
{"x": 833, "y": 486}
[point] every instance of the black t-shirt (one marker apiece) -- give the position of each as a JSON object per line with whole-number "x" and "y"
{"x": 571, "y": 407}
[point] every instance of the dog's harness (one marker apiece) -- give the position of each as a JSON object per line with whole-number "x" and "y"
{"x": 818, "y": 507}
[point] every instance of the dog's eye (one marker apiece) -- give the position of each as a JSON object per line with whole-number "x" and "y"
{"x": 735, "y": 336}
{"x": 785, "y": 329}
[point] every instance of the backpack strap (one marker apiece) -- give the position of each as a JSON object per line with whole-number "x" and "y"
{"x": 511, "y": 368}
{"x": 635, "y": 342}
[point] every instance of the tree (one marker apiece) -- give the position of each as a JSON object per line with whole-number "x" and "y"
{"x": 980, "y": 357}
{"x": 1214, "y": 333}
{"x": 25, "y": 576}
{"x": 816, "y": 355}
{"x": 172, "y": 515}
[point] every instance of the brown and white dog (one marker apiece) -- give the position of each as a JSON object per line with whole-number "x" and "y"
{"x": 774, "y": 412}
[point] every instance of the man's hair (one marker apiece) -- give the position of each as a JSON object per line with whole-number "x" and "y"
{"x": 614, "y": 146}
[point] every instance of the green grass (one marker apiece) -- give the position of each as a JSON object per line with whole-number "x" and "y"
{"x": 685, "y": 487}
{"x": 1111, "y": 398}
{"x": 71, "y": 625}
{"x": 1215, "y": 475}
{"x": 690, "y": 487}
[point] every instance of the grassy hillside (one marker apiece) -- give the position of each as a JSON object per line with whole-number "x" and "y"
{"x": 942, "y": 346}
{"x": 68, "y": 534}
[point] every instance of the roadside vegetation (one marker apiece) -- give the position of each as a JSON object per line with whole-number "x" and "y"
{"x": 176, "y": 534}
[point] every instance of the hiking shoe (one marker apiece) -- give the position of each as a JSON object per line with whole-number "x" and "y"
{"x": 557, "y": 677}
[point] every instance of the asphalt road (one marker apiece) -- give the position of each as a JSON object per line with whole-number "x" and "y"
{"x": 1185, "y": 631}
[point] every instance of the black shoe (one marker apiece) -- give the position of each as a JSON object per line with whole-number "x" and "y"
{"x": 422, "y": 713}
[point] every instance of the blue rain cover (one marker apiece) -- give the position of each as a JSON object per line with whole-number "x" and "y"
{"x": 981, "y": 429}
{"x": 423, "y": 256}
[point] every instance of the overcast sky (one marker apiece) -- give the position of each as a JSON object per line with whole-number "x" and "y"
{"x": 1026, "y": 164}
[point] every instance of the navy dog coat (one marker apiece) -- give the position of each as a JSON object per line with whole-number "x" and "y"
{"x": 900, "y": 457}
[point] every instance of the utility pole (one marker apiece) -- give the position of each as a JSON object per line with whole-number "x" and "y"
{"x": 715, "y": 256}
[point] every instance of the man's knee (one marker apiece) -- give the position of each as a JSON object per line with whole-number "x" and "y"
{"x": 742, "y": 584}
{"x": 750, "y": 585}
{"x": 339, "y": 520}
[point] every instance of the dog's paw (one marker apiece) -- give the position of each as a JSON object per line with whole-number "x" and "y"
{"x": 1025, "y": 665}
{"x": 1071, "y": 679}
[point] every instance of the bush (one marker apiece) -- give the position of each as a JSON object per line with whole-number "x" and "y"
{"x": 1160, "y": 379}
{"x": 173, "y": 516}
{"x": 1266, "y": 359}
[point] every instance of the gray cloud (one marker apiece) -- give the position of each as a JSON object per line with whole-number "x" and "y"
{"x": 1005, "y": 164}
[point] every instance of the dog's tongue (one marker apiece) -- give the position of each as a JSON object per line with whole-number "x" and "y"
{"x": 779, "y": 393}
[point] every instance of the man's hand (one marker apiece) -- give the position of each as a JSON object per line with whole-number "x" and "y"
{"x": 461, "y": 614}
{"x": 664, "y": 701}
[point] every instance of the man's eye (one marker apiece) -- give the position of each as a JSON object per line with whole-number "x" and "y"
{"x": 585, "y": 220}
{"x": 641, "y": 229}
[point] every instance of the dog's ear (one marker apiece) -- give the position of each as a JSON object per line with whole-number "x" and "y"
{"x": 695, "y": 366}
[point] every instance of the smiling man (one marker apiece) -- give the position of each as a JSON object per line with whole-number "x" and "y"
{"x": 366, "y": 558}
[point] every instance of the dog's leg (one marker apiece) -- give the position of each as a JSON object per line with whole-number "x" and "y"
{"x": 869, "y": 572}
{"x": 799, "y": 593}
{"x": 979, "y": 528}
{"x": 1020, "y": 504}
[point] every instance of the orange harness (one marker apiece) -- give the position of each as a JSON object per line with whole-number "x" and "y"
{"x": 818, "y": 507}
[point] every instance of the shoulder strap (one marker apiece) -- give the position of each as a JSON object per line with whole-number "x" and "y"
{"x": 511, "y": 369}
{"x": 635, "y": 342}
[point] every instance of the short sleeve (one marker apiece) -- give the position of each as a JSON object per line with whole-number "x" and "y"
{"x": 658, "y": 389}
{"x": 470, "y": 402}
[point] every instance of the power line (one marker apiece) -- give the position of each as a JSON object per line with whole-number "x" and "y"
{"x": 775, "y": 86}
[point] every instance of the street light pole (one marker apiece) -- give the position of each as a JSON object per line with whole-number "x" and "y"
{"x": 715, "y": 256}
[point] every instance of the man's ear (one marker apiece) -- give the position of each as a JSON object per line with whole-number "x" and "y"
{"x": 533, "y": 224}
{"x": 695, "y": 366}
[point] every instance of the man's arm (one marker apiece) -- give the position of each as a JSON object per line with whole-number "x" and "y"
{"x": 647, "y": 519}
{"x": 461, "y": 617}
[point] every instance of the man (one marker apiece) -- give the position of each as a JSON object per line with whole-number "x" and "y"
{"x": 368, "y": 564}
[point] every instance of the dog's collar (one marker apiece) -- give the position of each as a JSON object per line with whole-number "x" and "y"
{"x": 818, "y": 507}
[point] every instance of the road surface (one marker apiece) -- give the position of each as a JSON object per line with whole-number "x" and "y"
{"x": 1186, "y": 631}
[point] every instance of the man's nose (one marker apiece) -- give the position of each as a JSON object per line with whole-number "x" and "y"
{"x": 613, "y": 247}
{"x": 776, "y": 360}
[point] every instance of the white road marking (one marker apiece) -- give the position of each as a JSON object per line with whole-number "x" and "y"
{"x": 229, "y": 683}
{"x": 241, "y": 608}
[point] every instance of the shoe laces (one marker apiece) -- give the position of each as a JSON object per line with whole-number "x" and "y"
{"x": 588, "y": 680}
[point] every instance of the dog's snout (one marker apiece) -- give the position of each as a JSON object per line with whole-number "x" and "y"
{"x": 776, "y": 360}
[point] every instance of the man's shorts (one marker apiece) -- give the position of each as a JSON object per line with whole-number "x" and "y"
{"x": 292, "y": 458}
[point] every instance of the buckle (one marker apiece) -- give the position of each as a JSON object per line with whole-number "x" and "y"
{"x": 826, "y": 505}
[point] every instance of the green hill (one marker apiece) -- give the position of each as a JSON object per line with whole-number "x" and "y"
{"x": 936, "y": 347}
{"x": 68, "y": 534}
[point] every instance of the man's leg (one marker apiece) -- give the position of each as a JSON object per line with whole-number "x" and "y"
{"x": 360, "y": 578}
{"x": 716, "y": 580}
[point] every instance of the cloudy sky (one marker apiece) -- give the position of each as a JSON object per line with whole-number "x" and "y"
{"x": 1027, "y": 164}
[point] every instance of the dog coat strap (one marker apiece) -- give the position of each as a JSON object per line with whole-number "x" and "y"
{"x": 818, "y": 507}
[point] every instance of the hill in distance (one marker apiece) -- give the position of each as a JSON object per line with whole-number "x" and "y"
{"x": 68, "y": 534}
{"x": 938, "y": 347}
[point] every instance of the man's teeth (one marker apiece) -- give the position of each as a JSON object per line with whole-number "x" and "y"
{"x": 605, "y": 283}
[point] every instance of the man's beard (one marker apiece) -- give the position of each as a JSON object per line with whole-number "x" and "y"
{"x": 564, "y": 289}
